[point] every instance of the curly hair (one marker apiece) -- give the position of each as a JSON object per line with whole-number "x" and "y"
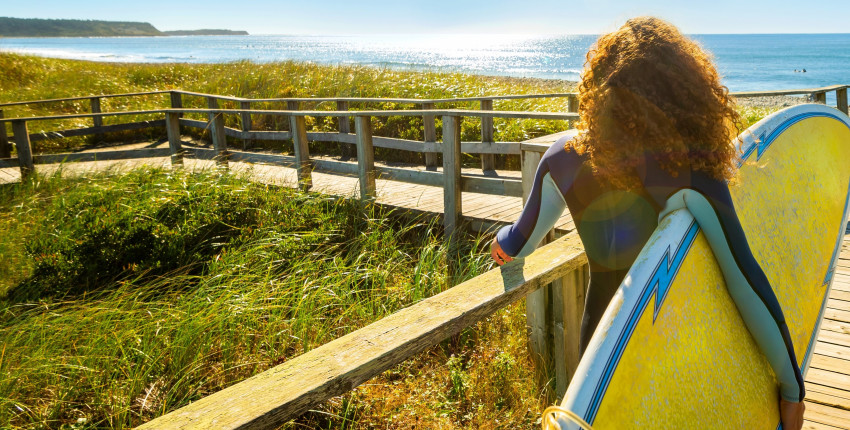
{"x": 649, "y": 90}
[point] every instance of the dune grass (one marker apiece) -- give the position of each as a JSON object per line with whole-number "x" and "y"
{"x": 33, "y": 78}
{"x": 128, "y": 296}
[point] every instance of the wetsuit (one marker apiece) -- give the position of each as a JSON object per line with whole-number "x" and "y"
{"x": 615, "y": 224}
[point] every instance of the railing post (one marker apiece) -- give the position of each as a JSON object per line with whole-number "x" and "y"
{"x": 95, "y": 108}
{"x": 22, "y": 144}
{"x": 538, "y": 304}
{"x": 572, "y": 106}
{"x": 177, "y": 102}
{"x": 365, "y": 157}
{"x": 567, "y": 310}
{"x": 344, "y": 128}
{"x": 841, "y": 99}
{"x": 430, "y": 130}
{"x": 451, "y": 175}
{"x": 246, "y": 124}
{"x": 219, "y": 139}
{"x": 488, "y": 161}
{"x": 820, "y": 97}
{"x": 303, "y": 167}
{"x": 172, "y": 128}
{"x": 97, "y": 121}
{"x": 554, "y": 312}
{"x": 5, "y": 147}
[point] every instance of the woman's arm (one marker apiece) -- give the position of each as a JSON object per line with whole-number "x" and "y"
{"x": 748, "y": 285}
{"x": 544, "y": 206}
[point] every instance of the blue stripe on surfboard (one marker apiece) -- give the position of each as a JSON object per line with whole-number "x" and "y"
{"x": 761, "y": 144}
{"x": 764, "y": 144}
{"x": 658, "y": 285}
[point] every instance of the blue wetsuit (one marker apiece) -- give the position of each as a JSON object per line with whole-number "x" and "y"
{"x": 615, "y": 224}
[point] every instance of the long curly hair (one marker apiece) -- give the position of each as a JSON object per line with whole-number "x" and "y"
{"x": 649, "y": 90}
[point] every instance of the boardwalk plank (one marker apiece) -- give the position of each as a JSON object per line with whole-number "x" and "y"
{"x": 833, "y": 364}
{"x": 832, "y": 350}
{"x": 826, "y": 415}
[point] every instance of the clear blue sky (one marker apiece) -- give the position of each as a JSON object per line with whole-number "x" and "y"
{"x": 450, "y": 16}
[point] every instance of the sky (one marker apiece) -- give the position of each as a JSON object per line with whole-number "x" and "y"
{"x": 331, "y": 17}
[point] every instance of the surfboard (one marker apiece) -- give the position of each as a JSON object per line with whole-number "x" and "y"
{"x": 672, "y": 350}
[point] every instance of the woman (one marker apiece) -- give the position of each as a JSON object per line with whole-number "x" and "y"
{"x": 657, "y": 134}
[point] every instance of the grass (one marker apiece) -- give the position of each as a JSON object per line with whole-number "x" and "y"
{"x": 237, "y": 277}
{"x": 127, "y": 296}
{"x": 33, "y": 78}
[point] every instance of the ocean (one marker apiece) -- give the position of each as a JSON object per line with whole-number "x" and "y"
{"x": 747, "y": 62}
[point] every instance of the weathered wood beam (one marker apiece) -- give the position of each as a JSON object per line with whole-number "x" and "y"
{"x": 68, "y": 99}
{"x": 97, "y": 130}
{"x": 452, "y": 207}
{"x": 129, "y": 154}
{"x": 429, "y": 128}
{"x": 22, "y": 145}
{"x": 172, "y": 128}
{"x": 284, "y": 392}
{"x": 245, "y": 118}
{"x": 298, "y": 129}
{"x": 568, "y": 295}
{"x": 97, "y": 121}
{"x": 344, "y": 126}
{"x": 572, "y": 107}
{"x": 365, "y": 157}
{"x": 841, "y": 100}
{"x": 538, "y": 304}
{"x": 217, "y": 133}
{"x": 5, "y": 147}
{"x": 176, "y": 101}
{"x": 488, "y": 161}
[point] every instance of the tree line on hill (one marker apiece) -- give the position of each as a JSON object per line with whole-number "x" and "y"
{"x": 33, "y": 27}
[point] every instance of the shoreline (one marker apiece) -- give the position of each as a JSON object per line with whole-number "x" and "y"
{"x": 543, "y": 84}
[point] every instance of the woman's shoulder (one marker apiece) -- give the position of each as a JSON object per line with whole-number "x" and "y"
{"x": 562, "y": 153}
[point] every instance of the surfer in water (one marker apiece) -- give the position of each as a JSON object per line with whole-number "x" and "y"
{"x": 656, "y": 134}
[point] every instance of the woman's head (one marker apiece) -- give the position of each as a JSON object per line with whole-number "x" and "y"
{"x": 646, "y": 88}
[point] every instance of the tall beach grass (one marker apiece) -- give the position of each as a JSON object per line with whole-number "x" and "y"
{"x": 128, "y": 296}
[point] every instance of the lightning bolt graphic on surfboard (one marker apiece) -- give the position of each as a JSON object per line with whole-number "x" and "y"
{"x": 662, "y": 276}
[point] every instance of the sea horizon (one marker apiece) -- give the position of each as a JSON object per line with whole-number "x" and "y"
{"x": 746, "y": 62}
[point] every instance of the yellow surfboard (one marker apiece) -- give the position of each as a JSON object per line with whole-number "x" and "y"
{"x": 671, "y": 351}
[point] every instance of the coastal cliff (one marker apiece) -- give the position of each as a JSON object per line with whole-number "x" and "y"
{"x": 32, "y": 27}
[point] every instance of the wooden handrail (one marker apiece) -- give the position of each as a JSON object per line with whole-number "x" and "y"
{"x": 69, "y": 99}
{"x": 801, "y": 91}
{"x": 397, "y": 100}
{"x": 271, "y": 398}
{"x": 318, "y": 113}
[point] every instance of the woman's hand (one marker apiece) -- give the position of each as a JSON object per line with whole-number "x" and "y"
{"x": 499, "y": 255}
{"x": 791, "y": 414}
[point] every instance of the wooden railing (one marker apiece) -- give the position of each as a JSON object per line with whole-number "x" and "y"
{"x": 553, "y": 279}
{"x": 451, "y": 147}
{"x": 277, "y": 395}
{"x": 247, "y": 134}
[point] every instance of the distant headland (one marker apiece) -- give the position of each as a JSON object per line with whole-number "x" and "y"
{"x": 34, "y": 27}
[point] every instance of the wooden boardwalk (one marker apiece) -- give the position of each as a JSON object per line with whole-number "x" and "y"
{"x": 828, "y": 379}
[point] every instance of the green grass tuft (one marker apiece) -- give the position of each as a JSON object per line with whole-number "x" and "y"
{"x": 152, "y": 289}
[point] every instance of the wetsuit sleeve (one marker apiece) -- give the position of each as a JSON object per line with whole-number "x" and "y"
{"x": 545, "y": 202}
{"x": 545, "y": 205}
{"x": 748, "y": 285}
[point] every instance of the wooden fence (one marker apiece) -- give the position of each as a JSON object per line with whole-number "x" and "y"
{"x": 553, "y": 279}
